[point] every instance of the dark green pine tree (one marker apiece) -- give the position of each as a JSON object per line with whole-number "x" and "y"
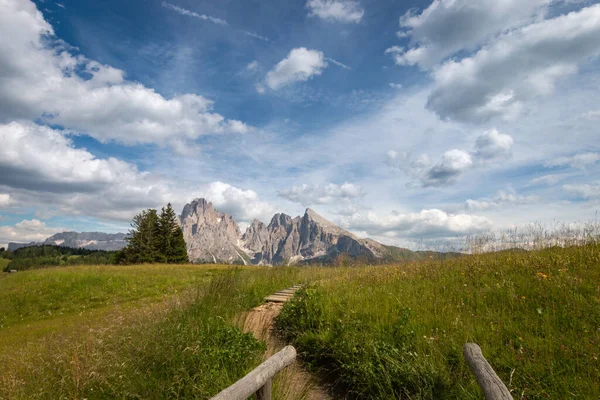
{"x": 172, "y": 244}
{"x": 144, "y": 239}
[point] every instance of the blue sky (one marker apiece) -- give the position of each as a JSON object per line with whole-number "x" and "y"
{"x": 398, "y": 120}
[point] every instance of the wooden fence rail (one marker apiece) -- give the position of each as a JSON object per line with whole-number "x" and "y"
{"x": 259, "y": 380}
{"x": 490, "y": 383}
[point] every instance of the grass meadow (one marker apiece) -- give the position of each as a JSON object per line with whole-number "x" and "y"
{"x": 398, "y": 331}
{"x": 382, "y": 332}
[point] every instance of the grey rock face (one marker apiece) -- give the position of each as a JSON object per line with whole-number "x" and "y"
{"x": 210, "y": 236}
{"x": 286, "y": 240}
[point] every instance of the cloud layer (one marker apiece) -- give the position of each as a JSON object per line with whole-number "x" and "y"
{"x": 42, "y": 78}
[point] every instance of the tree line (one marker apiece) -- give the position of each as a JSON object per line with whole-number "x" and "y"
{"x": 154, "y": 238}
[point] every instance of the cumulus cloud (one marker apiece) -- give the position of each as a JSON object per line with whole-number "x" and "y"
{"x": 588, "y": 192}
{"x": 42, "y": 165}
{"x": 300, "y": 64}
{"x": 449, "y": 26}
{"x": 491, "y": 146}
{"x": 40, "y": 78}
{"x": 453, "y": 164}
{"x": 432, "y": 223}
{"x": 4, "y": 199}
{"x": 335, "y": 10}
{"x": 502, "y": 199}
{"x": 518, "y": 65}
{"x": 32, "y": 230}
{"x": 243, "y": 205}
{"x": 580, "y": 161}
{"x": 321, "y": 194}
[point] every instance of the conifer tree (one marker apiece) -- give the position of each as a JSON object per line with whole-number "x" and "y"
{"x": 154, "y": 238}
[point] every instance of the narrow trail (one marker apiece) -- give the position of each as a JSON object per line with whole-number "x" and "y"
{"x": 294, "y": 382}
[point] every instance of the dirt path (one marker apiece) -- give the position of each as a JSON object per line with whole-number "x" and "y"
{"x": 294, "y": 382}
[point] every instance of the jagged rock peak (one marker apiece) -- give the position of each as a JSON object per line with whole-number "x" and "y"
{"x": 210, "y": 235}
{"x": 197, "y": 206}
{"x": 280, "y": 219}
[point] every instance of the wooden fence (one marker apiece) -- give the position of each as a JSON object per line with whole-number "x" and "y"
{"x": 259, "y": 380}
{"x": 493, "y": 388}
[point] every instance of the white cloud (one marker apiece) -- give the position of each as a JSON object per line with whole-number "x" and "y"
{"x": 4, "y": 199}
{"x": 335, "y": 10}
{"x": 515, "y": 67}
{"x": 453, "y": 164}
{"x": 44, "y": 168}
{"x": 449, "y": 26}
{"x": 243, "y": 205}
{"x": 584, "y": 191}
{"x": 425, "y": 224}
{"x": 321, "y": 194}
{"x": 256, "y": 36}
{"x": 580, "y": 161}
{"x": 299, "y": 65}
{"x": 194, "y": 14}
{"x": 40, "y": 78}
{"x": 253, "y": 66}
{"x": 27, "y": 231}
{"x": 339, "y": 64}
{"x": 395, "y": 85}
{"x": 493, "y": 145}
{"x": 502, "y": 199}
{"x": 549, "y": 179}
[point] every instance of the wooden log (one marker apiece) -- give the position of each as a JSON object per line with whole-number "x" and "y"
{"x": 258, "y": 377}
{"x": 493, "y": 388}
{"x": 265, "y": 392}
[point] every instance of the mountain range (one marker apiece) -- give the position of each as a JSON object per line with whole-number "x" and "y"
{"x": 86, "y": 240}
{"x": 212, "y": 236}
{"x": 215, "y": 237}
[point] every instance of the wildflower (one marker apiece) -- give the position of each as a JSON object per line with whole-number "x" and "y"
{"x": 522, "y": 297}
{"x": 542, "y": 275}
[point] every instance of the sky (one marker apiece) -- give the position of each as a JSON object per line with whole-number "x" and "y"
{"x": 404, "y": 121}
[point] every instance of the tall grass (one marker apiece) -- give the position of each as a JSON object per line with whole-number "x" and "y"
{"x": 398, "y": 331}
{"x": 185, "y": 347}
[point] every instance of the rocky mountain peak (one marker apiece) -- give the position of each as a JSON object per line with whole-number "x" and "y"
{"x": 210, "y": 236}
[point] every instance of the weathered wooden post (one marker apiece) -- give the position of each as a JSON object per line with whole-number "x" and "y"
{"x": 260, "y": 379}
{"x": 266, "y": 392}
{"x": 490, "y": 383}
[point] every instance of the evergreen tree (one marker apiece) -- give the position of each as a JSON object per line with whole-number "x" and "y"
{"x": 172, "y": 243}
{"x": 154, "y": 238}
{"x": 144, "y": 239}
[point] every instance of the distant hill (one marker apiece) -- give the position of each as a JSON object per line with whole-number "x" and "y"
{"x": 80, "y": 240}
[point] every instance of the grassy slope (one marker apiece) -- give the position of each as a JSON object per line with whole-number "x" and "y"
{"x": 397, "y": 332}
{"x": 184, "y": 346}
{"x": 45, "y": 293}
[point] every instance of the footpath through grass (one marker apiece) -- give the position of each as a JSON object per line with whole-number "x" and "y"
{"x": 398, "y": 332}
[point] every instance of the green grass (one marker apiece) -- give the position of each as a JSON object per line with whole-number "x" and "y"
{"x": 3, "y": 263}
{"x": 46, "y": 293}
{"x": 184, "y": 346}
{"x": 398, "y": 332}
